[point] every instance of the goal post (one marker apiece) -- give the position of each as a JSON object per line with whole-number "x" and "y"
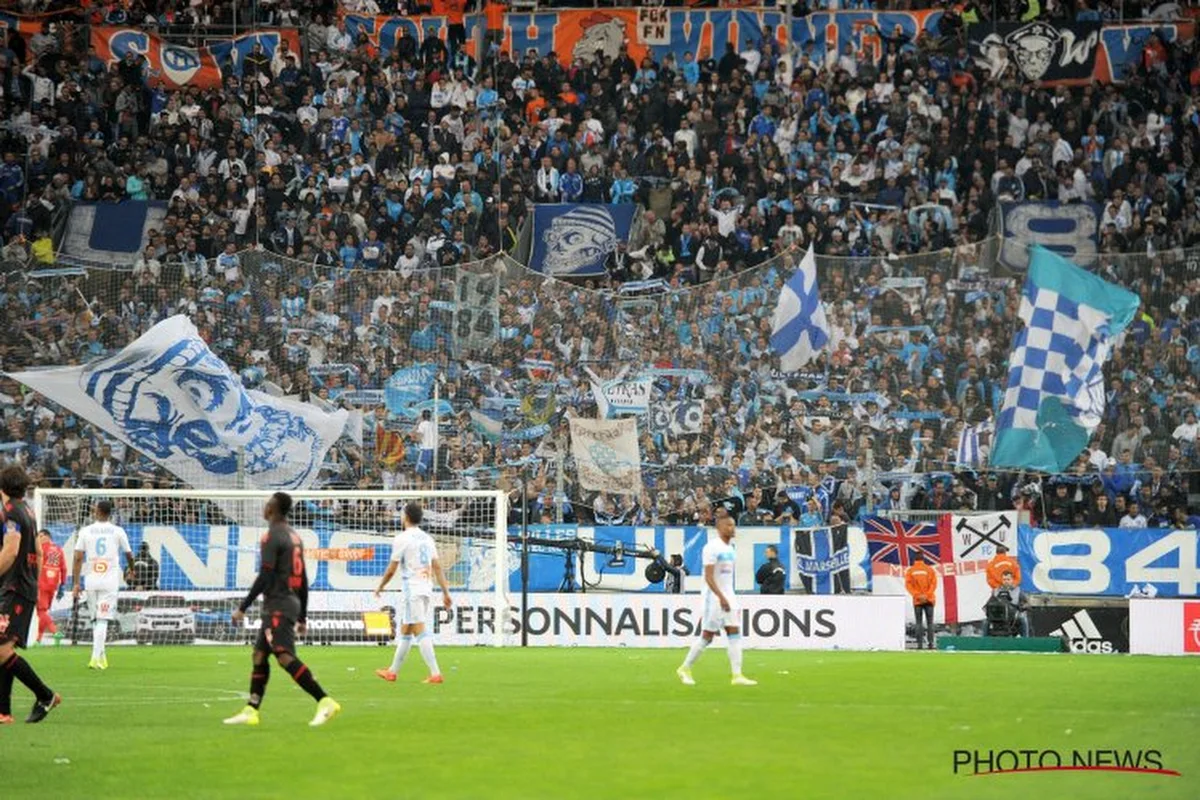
{"x": 196, "y": 553}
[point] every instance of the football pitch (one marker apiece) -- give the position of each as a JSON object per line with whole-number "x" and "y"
{"x": 602, "y": 723}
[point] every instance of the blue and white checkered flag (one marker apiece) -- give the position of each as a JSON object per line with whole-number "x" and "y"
{"x": 1055, "y": 394}
{"x": 799, "y": 331}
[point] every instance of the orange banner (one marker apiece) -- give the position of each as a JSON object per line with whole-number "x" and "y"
{"x": 340, "y": 553}
{"x": 176, "y": 65}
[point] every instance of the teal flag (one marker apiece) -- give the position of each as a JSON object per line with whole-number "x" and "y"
{"x": 1055, "y": 393}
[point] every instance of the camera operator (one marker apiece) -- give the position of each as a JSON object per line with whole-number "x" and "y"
{"x": 770, "y": 576}
{"x": 1014, "y": 600}
{"x": 673, "y": 580}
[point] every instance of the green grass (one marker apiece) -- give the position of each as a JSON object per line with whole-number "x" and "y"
{"x": 596, "y": 723}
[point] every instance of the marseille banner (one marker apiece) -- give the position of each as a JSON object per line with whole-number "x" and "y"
{"x": 177, "y": 65}
{"x": 1070, "y": 230}
{"x": 1109, "y": 561}
{"x": 575, "y": 239}
{"x": 1040, "y": 51}
{"x": 171, "y": 398}
{"x": 607, "y": 455}
{"x": 823, "y": 560}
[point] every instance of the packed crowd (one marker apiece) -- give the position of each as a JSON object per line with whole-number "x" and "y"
{"x": 373, "y": 178}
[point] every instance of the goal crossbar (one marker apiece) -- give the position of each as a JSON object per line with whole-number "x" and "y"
{"x": 476, "y": 516}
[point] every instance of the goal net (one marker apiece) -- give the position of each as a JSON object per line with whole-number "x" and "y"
{"x": 196, "y": 553}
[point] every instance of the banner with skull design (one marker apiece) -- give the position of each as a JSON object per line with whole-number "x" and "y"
{"x": 575, "y": 238}
{"x": 168, "y": 396}
{"x": 1038, "y": 51}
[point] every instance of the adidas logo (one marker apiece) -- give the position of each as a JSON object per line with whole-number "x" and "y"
{"x": 1082, "y": 635}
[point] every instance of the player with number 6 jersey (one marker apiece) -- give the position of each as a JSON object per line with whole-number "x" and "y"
{"x": 98, "y": 549}
{"x": 283, "y": 583}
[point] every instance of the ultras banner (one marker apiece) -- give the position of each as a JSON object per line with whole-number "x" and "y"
{"x": 177, "y": 65}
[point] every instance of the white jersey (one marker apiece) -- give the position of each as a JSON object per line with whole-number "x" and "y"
{"x": 427, "y": 432}
{"x": 102, "y": 544}
{"x": 721, "y": 556}
{"x": 414, "y": 551}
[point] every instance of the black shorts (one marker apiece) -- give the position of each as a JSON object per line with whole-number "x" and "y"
{"x": 16, "y": 615}
{"x": 277, "y": 634}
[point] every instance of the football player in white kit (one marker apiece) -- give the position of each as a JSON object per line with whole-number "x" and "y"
{"x": 101, "y": 545}
{"x": 720, "y": 606}
{"x": 415, "y": 555}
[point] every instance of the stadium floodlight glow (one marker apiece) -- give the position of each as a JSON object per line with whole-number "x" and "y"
{"x": 202, "y": 550}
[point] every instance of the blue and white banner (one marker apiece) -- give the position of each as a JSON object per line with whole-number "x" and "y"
{"x": 1069, "y": 229}
{"x": 409, "y": 386}
{"x": 111, "y": 231}
{"x": 172, "y": 399}
{"x": 1054, "y": 396}
{"x": 575, "y": 239}
{"x": 823, "y": 560}
{"x": 210, "y": 554}
{"x": 1109, "y": 561}
{"x": 677, "y": 417}
{"x": 618, "y": 397}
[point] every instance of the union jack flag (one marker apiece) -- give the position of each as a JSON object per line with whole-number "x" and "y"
{"x": 895, "y": 541}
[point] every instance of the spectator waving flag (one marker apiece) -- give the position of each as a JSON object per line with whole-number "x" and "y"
{"x": 1055, "y": 394}
{"x": 799, "y": 331}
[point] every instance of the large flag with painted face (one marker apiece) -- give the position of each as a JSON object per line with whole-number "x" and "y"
{"x": 168, "y": 396}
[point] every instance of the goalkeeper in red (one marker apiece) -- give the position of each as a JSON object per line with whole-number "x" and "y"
{"x": 283, "y": 583}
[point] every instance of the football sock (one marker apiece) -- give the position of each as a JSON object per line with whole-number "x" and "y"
{"x": 19, "y": 668}
{"x": 6, "y": 679}
{"x": 99, "y": 634}
{"x": 735, "y": 653}
{"x": 259, "y": 675}
{"x": 402, "y": 648}
{"x": 425, "y": 645}
{"x": 303, "y": 677}
{"x": 695, "y": 651}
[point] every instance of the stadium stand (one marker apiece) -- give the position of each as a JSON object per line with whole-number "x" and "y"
{"x": 324, "y": 206}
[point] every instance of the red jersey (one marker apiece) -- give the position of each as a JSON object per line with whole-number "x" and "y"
{"x": 54, "y": 568}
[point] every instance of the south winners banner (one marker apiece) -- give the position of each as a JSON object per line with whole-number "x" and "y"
{"x": 575, "y": 238}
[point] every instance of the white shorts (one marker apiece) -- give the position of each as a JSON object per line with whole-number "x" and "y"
{"x": 102, "y": 604}
{"x": 414, "y": 610}
{"x": 715, "y": 619}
